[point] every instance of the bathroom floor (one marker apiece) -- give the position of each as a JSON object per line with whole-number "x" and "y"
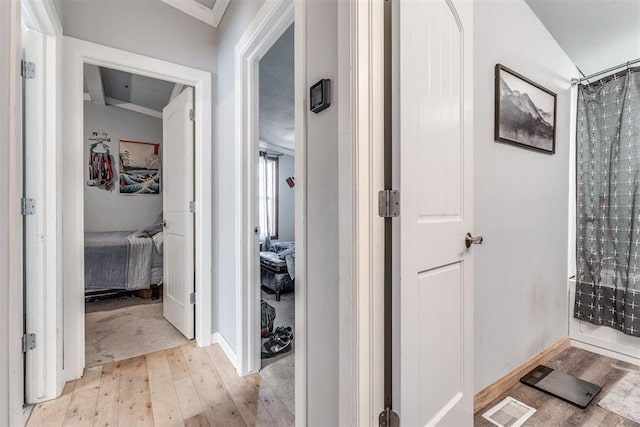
{"x": 552, "y": 411}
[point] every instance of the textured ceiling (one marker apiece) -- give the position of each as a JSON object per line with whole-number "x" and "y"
{"x": 595, "y": 34}
{"x": 277, "y": 93}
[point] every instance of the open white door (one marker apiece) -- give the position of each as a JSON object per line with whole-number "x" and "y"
{"x": 436, "y": 317}
{"x": 178, "y": 186}
{"x": 34, "y": 221}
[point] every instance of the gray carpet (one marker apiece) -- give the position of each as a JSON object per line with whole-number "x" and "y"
{"x": 279, "y": 371}
{"x": 280, "y": 375}
{"x": 128, "y": 332}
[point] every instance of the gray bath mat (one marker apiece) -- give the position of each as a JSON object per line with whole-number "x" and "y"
{"x": 624, "y": 397}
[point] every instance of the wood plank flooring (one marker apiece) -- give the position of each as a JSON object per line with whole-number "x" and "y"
{"x": 551, "y": 411}
{"x": 182, "y": 386}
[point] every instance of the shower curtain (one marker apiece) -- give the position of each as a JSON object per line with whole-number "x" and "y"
{"x": 608, "y": 203}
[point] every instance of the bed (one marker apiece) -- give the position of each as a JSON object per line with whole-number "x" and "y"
{"x": 122, "y": 260}
{"x": 277, "y": 268}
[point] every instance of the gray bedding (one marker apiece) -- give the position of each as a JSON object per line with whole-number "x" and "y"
{"x": 119, "y": 260}
{"x": 281, "y": 256}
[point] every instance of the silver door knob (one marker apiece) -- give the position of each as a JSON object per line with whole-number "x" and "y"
{"x": 470, "y": 240}
{"x": 164, "y": 223}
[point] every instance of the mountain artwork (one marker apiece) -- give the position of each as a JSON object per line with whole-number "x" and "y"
{"x": 525, "y": 112}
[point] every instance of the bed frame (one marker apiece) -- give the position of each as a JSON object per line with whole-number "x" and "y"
{"x": 275, "y": 280}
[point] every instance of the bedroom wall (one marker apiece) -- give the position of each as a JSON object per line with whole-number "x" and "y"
{"x": 110, "y": 210}
{"x": 286, "y": 209}
{"x": 521, "y": 198}
{"x": 236, "y": 19}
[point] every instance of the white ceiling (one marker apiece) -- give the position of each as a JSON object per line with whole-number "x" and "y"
{"x": 209, "y": 11}
{"x": 595, "y": 34}
{"x": 140, "y": 90}
{"x": 207, "y": 3}
{"x": 120, "y": 87}
{"x": 277, "y": 93}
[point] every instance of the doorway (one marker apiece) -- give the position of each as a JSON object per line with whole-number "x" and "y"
{"x": 276, "y": 216}
{"x": 126, "y": 192}
{"x": 77, "y": 54}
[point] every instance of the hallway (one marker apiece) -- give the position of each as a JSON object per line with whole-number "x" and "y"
{"x": 185, "y": 385}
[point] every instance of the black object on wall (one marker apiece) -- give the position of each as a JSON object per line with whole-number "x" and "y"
{"x": 320, "y": 95}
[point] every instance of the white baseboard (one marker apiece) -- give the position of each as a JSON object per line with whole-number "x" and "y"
{"x": 217, "y": 338}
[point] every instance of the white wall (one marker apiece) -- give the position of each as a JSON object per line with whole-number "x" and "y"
{"x": 286, "y": 209}
{"x": 521, "y": 198}
{"x": 323, "y": 349}
{"x": 110, "y": 210}
{"x": 236, "y": 18}
{"x": 147, "y": 27}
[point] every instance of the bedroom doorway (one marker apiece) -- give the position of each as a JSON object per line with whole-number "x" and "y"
{"x": 132, "y": 207}
{"x": 195, "y": 292}
{"x": 275, "y": 266}
{"x": 275, "y": 213}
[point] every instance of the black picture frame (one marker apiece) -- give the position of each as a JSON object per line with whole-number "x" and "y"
{"x": 522, "y": 115}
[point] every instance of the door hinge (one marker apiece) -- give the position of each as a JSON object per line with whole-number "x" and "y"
{"x": 388, "y": 418}
{"x": 389, "y": 203}
{"x": 27, "y": 69}
{"x": 192, "y": 298}
{"x": 191, "y": 114}
{"x": 28, "y": 342}
{"x": 28, "y": 206}
{"x": 192, "y": 206}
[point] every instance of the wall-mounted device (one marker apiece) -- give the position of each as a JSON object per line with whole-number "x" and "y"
{"x": 320, "y": 95}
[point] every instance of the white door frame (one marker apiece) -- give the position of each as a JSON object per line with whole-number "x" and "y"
{"x": 76, "y": 53}
{"x": 366, "y": 173}
{"x": 11, "y": 361}
{"x": 44, "y": 275}
{"x": 271, "y": 21}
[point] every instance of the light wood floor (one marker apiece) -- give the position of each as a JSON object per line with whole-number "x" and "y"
{"x": 552, "y": 411}
{"x": 185, "y": 385}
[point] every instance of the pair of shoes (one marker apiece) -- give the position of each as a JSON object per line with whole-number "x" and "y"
{"x": 276, "y": 344}
{"x": 285, "y": 331}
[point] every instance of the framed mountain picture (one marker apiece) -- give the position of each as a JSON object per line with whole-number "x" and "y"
{"x": 525, "y": 112}
{"x": 139, "y": 167}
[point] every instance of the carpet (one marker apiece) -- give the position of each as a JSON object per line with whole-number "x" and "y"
{"x": 624, "y": 397}
{"x": 128, "y": 332}
{"x": 280, "y": 375}
{"x": 279, "y": 371}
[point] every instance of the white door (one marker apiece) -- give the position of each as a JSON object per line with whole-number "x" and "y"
{"x": 436, "y": 91}
{"x": 34, "y": 224}
{"x": 177, "y": 186}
